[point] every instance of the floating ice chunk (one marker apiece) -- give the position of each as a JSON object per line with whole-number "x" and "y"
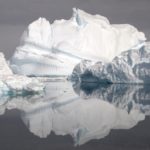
{"x": 16, "y": 83}
{"x": 58, "y": 47}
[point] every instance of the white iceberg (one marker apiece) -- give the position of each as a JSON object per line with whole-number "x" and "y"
{"x": 10, "y": 82}
{"x": 54, "y": 49}
{"x": 132, "y": 66}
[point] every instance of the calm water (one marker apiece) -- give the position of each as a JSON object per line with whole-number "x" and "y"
{"x": 70, "y": 116}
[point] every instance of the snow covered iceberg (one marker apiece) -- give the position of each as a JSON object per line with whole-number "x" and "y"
{"x": 54, "y": 49}
{"x": 11, "y": 83}
{"x": 132, "y": 66}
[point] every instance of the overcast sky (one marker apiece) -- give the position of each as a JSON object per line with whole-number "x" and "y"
{"x": 15, "y": 15}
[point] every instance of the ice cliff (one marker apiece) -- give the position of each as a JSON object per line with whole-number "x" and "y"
{"x": 132, "y": 66}
{"x": 54, "y": 49}
{"x": 15, "y": 84}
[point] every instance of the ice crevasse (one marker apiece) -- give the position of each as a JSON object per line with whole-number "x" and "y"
{"x": 54, "y": 49}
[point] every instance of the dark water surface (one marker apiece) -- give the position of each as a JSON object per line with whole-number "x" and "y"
{"x": 77, "y": 117}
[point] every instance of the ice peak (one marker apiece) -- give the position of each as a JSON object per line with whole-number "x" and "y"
{"x": 1, "y": 55}
{"x": 39, "y": 22}
{"x": 38, "y": 32}
{"x": 89, "y": 17}
{"x": 4, "y": 69}
{"x": 78, "y": 18}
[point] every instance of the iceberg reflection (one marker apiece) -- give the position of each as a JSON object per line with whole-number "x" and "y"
{"x": 85, "y": 111}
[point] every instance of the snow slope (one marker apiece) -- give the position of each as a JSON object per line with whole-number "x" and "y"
{"x": 54, "y": 49}
{"x": 132, "y": 66}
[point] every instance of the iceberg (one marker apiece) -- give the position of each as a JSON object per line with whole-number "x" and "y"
{"x": 54, "y": 49}
{"x": 14, "y": 84}
{"x": 83, "y": 115}
{"x": 132, "y": 66}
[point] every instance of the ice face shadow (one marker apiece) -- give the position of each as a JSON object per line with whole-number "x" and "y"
{"x": 84, "y": 111}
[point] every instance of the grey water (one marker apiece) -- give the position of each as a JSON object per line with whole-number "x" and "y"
{"x": 77, "y": 116}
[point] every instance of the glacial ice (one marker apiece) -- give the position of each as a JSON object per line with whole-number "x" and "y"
{"x": 54, "y": 49}
{"x": 132, "y": 66}
{"x": 11, "y": 83}
{"x": 83, "y": 114}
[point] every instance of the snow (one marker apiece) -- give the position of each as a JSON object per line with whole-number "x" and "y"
{"x": 131, "y": 66}
{"x": 16, "y": 83}
{"x": 54, "y": 49}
